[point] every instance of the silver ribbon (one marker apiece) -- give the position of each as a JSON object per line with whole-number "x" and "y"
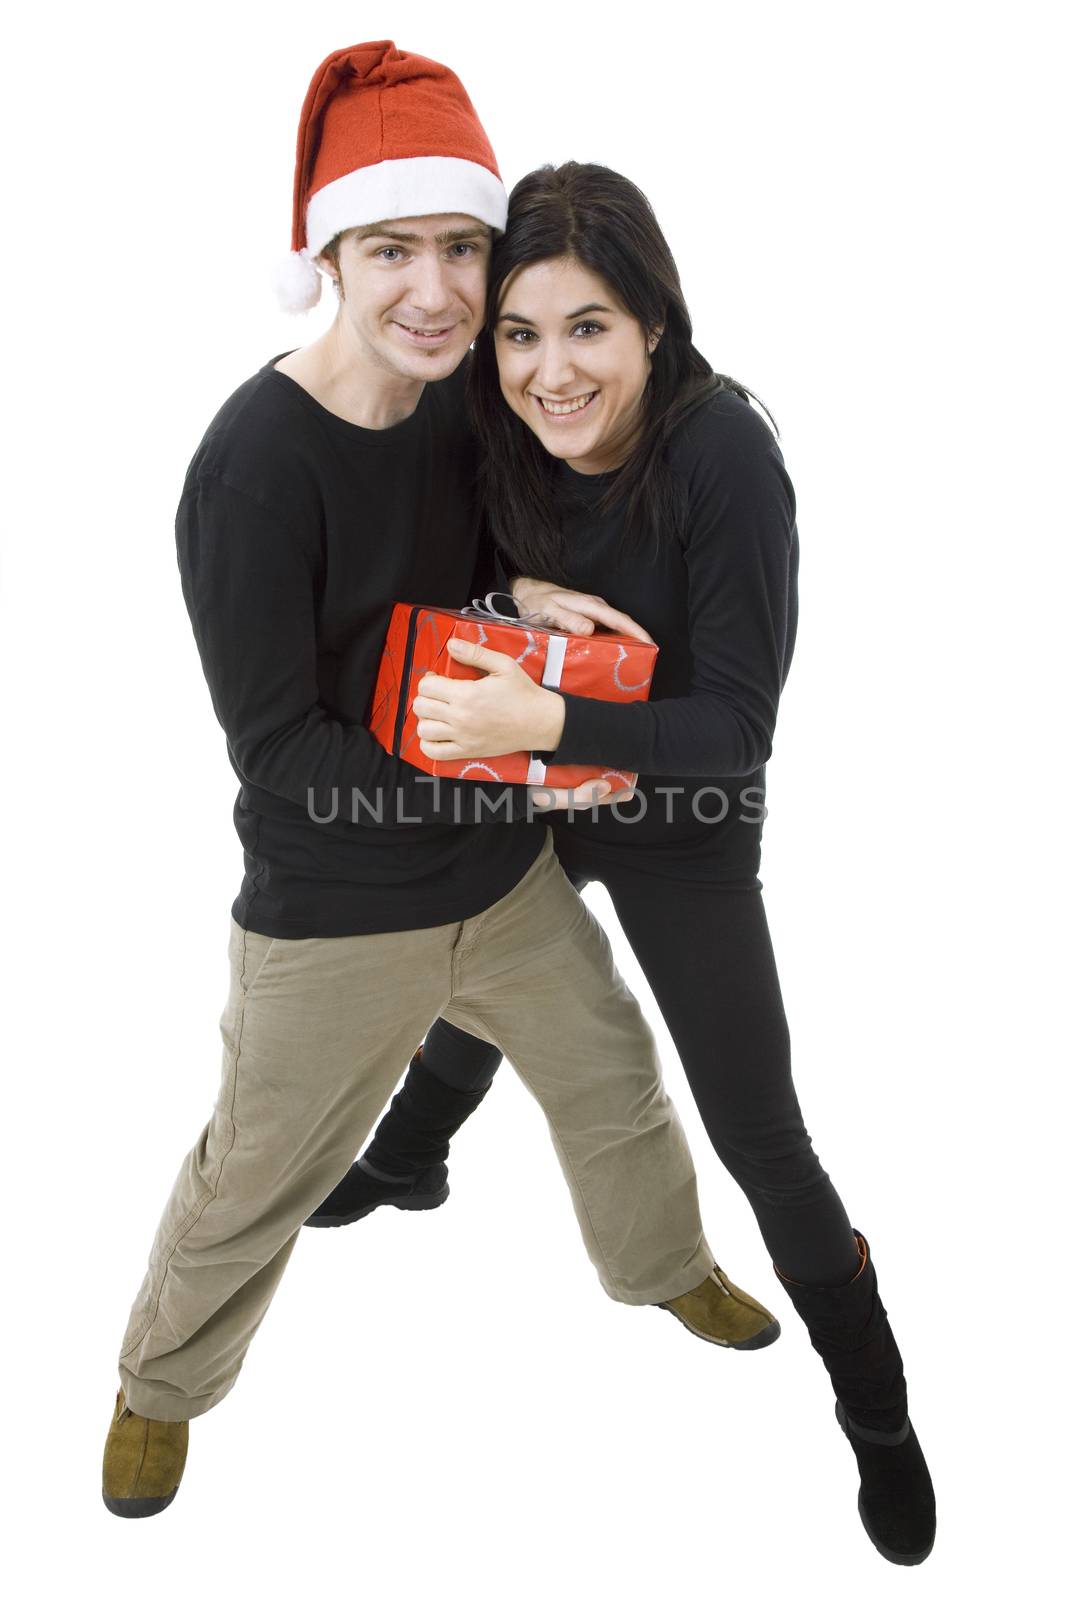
{"x": 485, "y": 608}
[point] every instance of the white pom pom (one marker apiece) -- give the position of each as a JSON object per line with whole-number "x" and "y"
{"x": 297, "y": 281}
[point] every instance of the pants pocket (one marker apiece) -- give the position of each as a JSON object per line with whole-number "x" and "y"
{"x": 249, "y": 954}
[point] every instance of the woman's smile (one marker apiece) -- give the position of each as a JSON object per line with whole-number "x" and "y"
{"x": 563, "y": 410}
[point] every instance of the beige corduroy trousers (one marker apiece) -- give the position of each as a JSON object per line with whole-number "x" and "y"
{"x": 316, "y": 1034}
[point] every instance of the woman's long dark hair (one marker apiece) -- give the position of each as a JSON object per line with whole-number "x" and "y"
{"x": 599, "y": 218}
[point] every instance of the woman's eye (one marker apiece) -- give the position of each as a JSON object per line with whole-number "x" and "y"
{"x": 591, "y": 327}
{"x": 520, "y": 336}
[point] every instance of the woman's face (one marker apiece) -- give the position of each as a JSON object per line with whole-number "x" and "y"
{"x": 573, "y": 363}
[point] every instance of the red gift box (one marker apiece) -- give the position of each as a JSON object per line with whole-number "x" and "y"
{"x": 604, "y": 666}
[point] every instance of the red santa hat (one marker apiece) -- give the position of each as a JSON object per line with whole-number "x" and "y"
{"x": 383, "y": 134}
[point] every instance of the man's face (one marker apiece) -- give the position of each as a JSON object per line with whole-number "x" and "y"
{"x": 414, "y": 292}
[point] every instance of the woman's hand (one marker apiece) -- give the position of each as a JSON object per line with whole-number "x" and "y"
{"x": 573, "y": 612}
{"x": 471, "y": 720}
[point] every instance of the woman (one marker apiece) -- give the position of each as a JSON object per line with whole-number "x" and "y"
{"x": 618, "y": 463}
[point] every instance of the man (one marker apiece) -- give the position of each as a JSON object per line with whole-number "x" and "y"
{"x": 334, "y": 482}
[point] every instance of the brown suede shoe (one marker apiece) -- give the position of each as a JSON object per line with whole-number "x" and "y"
{"x": 717, "y": 1310}
{"x": 143, "y": 1462}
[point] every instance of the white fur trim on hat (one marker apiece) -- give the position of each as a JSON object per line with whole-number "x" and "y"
{"x": 417, "y": 186}
{"x": 297, "y": 282}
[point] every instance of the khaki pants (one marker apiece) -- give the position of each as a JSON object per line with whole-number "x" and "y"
{"x": 316, "y": 1035}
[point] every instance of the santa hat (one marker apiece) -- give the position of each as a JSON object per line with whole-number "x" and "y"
{"x": 383, "y": 134}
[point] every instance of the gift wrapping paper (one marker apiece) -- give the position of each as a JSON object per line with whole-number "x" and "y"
{"x": 604, "y": 666}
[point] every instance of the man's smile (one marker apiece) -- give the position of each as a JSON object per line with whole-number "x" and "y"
{"x": 428, "y": 337}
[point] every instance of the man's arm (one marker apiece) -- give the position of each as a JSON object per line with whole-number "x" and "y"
{"x": 249, "y": 584}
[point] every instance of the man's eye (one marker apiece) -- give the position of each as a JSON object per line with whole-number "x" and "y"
{"x": 468, "y": 247}
{"x": 391, "y": 251}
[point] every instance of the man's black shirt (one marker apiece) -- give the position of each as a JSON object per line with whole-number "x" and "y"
{"x": 296, "y": 532}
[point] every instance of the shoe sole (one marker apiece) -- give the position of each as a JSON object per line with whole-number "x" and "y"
{"x": 407, "y": 1202}
{"x": 146, "y": 1507}
{"x": 758, "y": 1341}
{"x": 897, "y": 1557}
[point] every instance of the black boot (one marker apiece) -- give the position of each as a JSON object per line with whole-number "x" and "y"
{"x": 361, "y": 1191}
{"x": 849, "y": 1329}
{"x": 424, "y": 1115}
{"x": 404, "y": 1165}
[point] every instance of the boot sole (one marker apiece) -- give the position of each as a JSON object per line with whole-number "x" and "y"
{"x": 145, "y": 1507}
{"x": 897, "y": 1557}
{"x": 407, "y": 1202}
{"x": 758, "y": 1341}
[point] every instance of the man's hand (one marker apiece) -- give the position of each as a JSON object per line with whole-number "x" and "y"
{"x": 584, "y": 798}
{"x": 573, "y": 612}
{"x": 472, "y": 720}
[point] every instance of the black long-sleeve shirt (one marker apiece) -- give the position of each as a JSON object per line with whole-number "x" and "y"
{"x": 296, "y": 532}
{"x": 721, "y": 603}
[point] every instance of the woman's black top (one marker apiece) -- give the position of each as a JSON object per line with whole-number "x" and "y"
{"x": 721, "y": 603}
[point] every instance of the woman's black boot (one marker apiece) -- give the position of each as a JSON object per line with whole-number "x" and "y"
{"x": 850, "y": 1330}
{"x": 404, "y": 1165}
{"x": 423, "y": 1116}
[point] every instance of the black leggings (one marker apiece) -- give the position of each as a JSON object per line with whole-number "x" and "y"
{"x": 706, "y": 951}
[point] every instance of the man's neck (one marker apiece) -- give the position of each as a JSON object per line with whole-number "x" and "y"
{"x": 337, "y": 374}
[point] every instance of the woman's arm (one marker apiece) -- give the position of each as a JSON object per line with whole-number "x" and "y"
{"x": 571, "y": 611}
{"x": 506, "y": 711}
{"x": 741, "y": 555}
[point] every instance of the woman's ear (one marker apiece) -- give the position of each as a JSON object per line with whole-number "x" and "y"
{"x": 654, "y": 337}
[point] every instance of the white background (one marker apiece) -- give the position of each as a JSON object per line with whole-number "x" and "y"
{"x": 862, "y": 202}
